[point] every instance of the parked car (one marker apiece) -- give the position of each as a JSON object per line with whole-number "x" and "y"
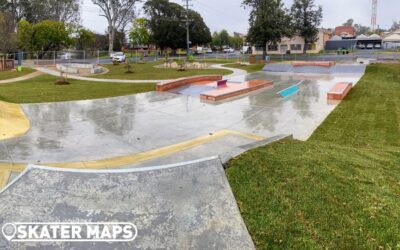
{"x": 246, "y": 50}
{"x": 370, "y": 46}
{"x": 378, "y": 46}
{"x": 65, "y": 56}
{"x": 361, "y": 46}
{"x": 118, "y": 57}
{"x": 229, "y": 50}
{"x": 209, "y": 51}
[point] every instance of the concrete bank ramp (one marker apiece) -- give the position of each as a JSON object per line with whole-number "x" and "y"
{"x": 184, "y": 206}
{"x": 337, "y": 69}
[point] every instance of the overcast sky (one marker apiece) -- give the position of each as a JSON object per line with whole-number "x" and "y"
{"x": 230, "y": 15}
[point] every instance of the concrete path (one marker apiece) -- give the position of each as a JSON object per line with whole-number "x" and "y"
{"x": 22, "y": 78}
{"x": 236, "y": 72}
{"x": 184, "y": 206}
{"x": 82, "y": 78}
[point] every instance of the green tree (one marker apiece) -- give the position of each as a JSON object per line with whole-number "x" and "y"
{"x": 167, "y": 29}
{"x": 84, "y": 39}
{"x": 395, "y": 26}
{"x": 139, "y": 33}
{"x": 360, "y": 29}
{"x": 306, "y": 19}
{"x": 349, "y": 22}
{"x": 35, "y": 11}
{"x": 117, "y": 13}
{"x": 269, "y": 22}
{"x": 8, "y": 41}
{"x": 222, "y": 39}
{"x": 44, "y": 36}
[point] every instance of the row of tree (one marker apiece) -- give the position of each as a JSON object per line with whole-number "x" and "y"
{"x": 164, "y": 25}
{"x": 223, "y": 39}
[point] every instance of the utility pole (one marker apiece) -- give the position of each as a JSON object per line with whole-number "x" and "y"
{"x": 187, "y": 28}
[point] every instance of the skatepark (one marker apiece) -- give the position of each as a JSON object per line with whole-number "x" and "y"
{"x": 114, "y": 143}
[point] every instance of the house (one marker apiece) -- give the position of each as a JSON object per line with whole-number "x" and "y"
{"x": 392, "y": 41}
{"x": 345, "y": 32}
{"x": 295, "y": 45}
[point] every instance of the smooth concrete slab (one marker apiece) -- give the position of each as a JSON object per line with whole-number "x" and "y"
{"x": 113, "y": 127}
{"x": 185, "y": 206}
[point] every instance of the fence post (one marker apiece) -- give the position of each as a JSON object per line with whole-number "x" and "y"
{"x": 54, "y": 57}
{"x": 37, "y": 58}
{"x": 98, "y": 57}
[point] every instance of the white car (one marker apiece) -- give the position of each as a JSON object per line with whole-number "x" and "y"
{"x": 370, "y": 46}
{"x": 65, "y": 56}
{"x": 119, "y": 57}
{"x": 209, "y": 51}
{"x": 378, "y": 46}
{"x": 229, "y": 50}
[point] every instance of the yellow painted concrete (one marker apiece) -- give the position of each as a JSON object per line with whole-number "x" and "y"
{"x": 4, "y": 177}
{"x": 116, "y": 162}
{"x": 13, "y": 122}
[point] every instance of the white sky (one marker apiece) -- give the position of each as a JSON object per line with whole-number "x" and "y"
{"x": 230, "y": 15}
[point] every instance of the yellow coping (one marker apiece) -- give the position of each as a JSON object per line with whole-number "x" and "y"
{"x": 13, "y": 121}
{"x": 119, "y": 161}
{"x": 4, "y": 177}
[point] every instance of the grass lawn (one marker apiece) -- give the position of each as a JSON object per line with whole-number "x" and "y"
{"x": 338, "y": 190}
{"x": 43, "y": 89}
{"x": 249, "y": 68}
{"x": 4, "y": 75}
{"x": 147, "y": 71}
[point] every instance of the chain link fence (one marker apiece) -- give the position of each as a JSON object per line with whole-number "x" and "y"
{"x": 51, "y": 58}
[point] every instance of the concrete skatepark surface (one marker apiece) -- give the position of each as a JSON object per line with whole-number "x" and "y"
{"x": 97, "y": 129}
{"x": 184, "y": 206}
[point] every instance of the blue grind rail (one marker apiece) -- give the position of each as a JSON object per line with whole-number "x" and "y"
{"x": 289, "y": 91}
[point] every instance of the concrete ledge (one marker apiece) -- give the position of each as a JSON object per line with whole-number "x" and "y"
{"x": 314, "y": 63}
{"x": 340, "y": 91}
{"x": 234, "y": 90}
{"x": 172, "y": 84}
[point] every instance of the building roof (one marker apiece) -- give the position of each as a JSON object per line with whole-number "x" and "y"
{"x": 395, "y": 37}
{"x": 345, "y": 31}
{"x": 336, "y": 38}
{"x": 362, "y": 37}
{"x": 375, "y": 36}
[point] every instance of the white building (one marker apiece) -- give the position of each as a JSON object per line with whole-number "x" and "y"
{"x": 392, "y": 40}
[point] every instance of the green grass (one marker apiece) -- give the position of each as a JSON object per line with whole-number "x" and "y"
{"x": 147, "y": 71}
{"x": 4, "y": 75}
{"x": 43, "y": 89}
{"x": 249, "y": 68}
{"x": 338, "y": 190}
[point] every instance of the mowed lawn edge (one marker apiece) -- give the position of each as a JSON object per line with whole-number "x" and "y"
{"x": 8, "y": 74}
{"x": 43, "y": 89}
{"x": 148, "y": 71}
{"x": 338, "y": 190}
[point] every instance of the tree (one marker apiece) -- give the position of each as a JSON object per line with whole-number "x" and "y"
{"x": 44, "y": 36}
{"x": 84, "y": 39}
{"x": 306, "y": 19}
{"x": 167, "y": 28}
{"x": 269, "y": 22}
{"x": 395, "y": 26}
{"x": 8, "y": 41}
{"x": 360, "y": 29}
{"x": 117, "y": 12}
{"x": 39, "y": 10}
{"x": 139, "y": 34}
{"x": 349, "y": 22}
